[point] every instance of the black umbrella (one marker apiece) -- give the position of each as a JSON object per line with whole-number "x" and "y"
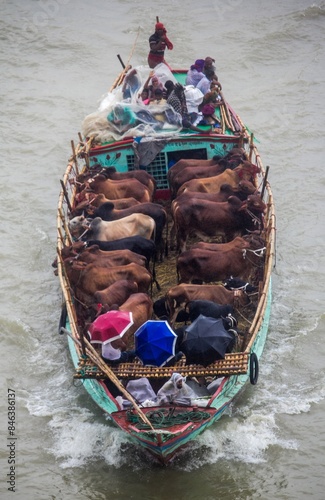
{"x": 206, "y": 340}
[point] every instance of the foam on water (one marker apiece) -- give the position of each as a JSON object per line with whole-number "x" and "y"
{"x": 80, "y": 440}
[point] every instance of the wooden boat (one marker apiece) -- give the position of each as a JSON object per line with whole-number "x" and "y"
{"x": 163, "y": 430}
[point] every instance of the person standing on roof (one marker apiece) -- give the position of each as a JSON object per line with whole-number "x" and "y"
{"x": 158, "y": 43}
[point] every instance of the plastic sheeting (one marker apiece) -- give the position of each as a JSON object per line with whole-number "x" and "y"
{"x": 141, "y": 390}
{"x": 117, "y": 118}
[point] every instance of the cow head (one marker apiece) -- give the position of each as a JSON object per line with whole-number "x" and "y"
{"x": 255, "y": 204}
{"x": 246, "y": 187}
{"x": 247, "y": 170}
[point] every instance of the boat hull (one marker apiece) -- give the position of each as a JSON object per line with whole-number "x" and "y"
{"x": 157, "y": 155}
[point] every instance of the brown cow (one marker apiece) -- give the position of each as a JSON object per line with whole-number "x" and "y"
{"x": 141, "y": 306}
{"x": 231, "y": 160}
{"x": 245, "y": 188}
{"x": 190, "y": 162}
{"x": 97, "y": 229}
{"x": 69, "y": 252}
{"x": 89, "y": 202}
{"x": 141, "y": 175}
{"x": 207, "y": 262}
{"x": 119, "y": 204}
{"x": 80, "y": 251}
{"x": 93, "y": 255}
{"x": 240, "y": 242}
{"x": 245, "y": 171}
{"x": 115, "y": 294}
{"x": 178, "y": 296}
{"x": 87, "y": 279}
{"x": 207, "y": 219}
{"x": 119, "y": 189}
{"x": 194, "y": 172}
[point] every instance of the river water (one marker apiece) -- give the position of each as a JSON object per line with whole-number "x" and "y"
{"x": 58, "y": 57}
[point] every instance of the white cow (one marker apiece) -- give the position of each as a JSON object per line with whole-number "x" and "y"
{"x": 98, "y": 229}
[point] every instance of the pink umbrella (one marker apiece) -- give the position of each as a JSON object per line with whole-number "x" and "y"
{"x": 110, "y": 326}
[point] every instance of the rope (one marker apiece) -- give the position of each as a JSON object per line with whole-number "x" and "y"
{"x": 167, "y": 418}
{"x": 255, "y": 219}
{"x": 259, "y": 252}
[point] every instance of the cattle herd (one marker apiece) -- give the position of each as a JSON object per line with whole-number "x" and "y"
{"x": 158, "y": 259}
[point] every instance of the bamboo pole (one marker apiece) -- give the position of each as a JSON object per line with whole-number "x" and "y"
{"x": 265, "y": 181}
{"x": 66, "y": 195}
{"x": 251, "y": 147}
{"x": 126, "y": 67}
{"x": 227, "y": 113}
{"x": 66, "y": 227}
{"x": 74, "y": 157}
{"x": 223, "y": 123}
{"x": 227, "y": 122}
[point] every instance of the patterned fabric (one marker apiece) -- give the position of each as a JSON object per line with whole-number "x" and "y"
{"x": 175, "y": 103}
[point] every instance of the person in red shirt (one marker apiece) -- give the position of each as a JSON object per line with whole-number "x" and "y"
{"x": 158, "y": 43}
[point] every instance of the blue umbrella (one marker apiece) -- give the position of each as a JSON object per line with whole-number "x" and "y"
{"x": 155, "y": 342}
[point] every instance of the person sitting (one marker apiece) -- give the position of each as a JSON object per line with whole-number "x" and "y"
{"x": 158, "y": 43}
{"x": 115, "y": 352}
{"x": 144, "y": 96}
{"x": 195, "y": 73}
{"x": 169, "y": 87}
{"x": 209, "y": 66}
{"x": 209, "y": 117}
{"x": 131, "y": 84}
{"x": 122, "y": 117}
{"x": 152, "y": 83}
{"x": 212, "y": 98}
{"x": 215, "y": 86}
{"x": 177, "y": 101}
{"x": 158, "y": 100}
{"x": 194, "y": 98}
{"x": 175, "y": 391}
{"x": 155, "y": 84}
{"x": 205, "y": 82}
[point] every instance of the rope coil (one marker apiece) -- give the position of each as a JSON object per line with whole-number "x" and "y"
{"x": 167, "y": 418}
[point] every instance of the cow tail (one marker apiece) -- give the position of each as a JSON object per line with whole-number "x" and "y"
{"x": 154, "y": 276}
{"x": 166, "y": 238}
{"x": 177, "y": 274}
{"x": 153, "y": 236}
{"x": 171, "y": 309}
